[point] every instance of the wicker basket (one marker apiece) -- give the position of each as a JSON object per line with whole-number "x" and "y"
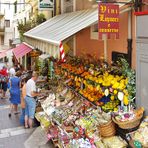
{"x": 108, "y": 129}
{"x": 129, "y": 124}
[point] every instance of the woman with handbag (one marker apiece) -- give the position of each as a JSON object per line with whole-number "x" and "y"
{"x": 15, "y": 94}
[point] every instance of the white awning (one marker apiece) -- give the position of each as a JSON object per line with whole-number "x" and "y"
{"x": 63, "y": 26}
{"x": 44, "y": 56}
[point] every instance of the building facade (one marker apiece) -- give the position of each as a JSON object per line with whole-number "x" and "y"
{"x": 86, "y": 41}
{"x": 6, "y": 28}
{"x": 24, "y": 11}
{"x": 82, "y": 38}
{"x": 95, "y": 46}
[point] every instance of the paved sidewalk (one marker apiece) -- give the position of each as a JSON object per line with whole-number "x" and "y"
{"x": 38, "y": 139}
{"x": 13, "y": 135}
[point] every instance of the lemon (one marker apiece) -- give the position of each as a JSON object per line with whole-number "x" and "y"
{"x": 125, "y": 92}
{"x": 121, "y": 86}
{"x": 115, "y": 91}
{"x": 115, "y": 109}
{"x": 125, "y": 100}
{"x": 116, "y": 85}
{"x": 112, "y": 98}
{"x": 98, "y": 87}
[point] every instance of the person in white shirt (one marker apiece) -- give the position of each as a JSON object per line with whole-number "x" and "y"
{"x": 30, "y": 101}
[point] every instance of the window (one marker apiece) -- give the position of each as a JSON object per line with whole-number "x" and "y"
{"x": 7, "y": 23}
{"x": 94, "y": 32}
{"x": 95, "y": 28}
{"x": 68, "y": 6}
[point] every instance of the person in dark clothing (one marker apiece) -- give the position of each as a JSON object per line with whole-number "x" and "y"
{"x": 4, "y": 81}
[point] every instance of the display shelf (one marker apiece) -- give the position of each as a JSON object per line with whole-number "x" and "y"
{"x": 81, "y": 96}
{"x": 60, "y": 127}
{"x": 53, "y": 121}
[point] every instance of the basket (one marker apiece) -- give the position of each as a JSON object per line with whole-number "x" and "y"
{"x": 129, "y": 124}
{"x": 108, "y": 129}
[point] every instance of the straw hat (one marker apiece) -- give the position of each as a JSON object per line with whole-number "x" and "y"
{"x": 18, "y": 73}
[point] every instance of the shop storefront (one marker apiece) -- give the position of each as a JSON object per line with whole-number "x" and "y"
{"x": 21, "y": 54}
{"x": 84, "y": 102}
{"x": 91, "y": 104}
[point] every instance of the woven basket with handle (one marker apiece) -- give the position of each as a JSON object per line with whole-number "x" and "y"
{"x": 130, "y": 123}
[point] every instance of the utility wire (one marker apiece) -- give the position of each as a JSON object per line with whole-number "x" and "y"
{"x": 119, "y": 2}
{"x": 14, "y": 3}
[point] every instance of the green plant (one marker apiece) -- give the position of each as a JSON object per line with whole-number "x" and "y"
{"x": 24, "y": 27}
{"x": 130, "y": 74}
{"x": 40, "y": 18}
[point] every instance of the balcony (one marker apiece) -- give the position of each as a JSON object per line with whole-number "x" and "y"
{"x": 4, "y": 47}
{"x": 1, "y": 15}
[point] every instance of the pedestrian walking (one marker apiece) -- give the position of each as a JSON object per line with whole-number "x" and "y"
{"x": 4, "y": 81}
{"x": 15, "y": 85}
{"x": 22, "y": 117}
{"x": 1, "y": 83}
{"x": 30, "y": 101}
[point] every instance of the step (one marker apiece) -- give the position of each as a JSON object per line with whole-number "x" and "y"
{"x": 5, "y": 133}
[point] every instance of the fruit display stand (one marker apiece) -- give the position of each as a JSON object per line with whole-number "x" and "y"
{"x": 79, "y": 107}
{"x": 75, "y": 117}
{"x": 101, "y": 84}
{"x": 74, "y": 120}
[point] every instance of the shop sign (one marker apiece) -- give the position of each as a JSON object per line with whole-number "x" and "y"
{"x": 46, "y": 4}
{"x": 35, "y": 53}
{"x": 108, "y": 21}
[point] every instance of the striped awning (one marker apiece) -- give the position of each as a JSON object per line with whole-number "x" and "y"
{"x": 21, "y": 50}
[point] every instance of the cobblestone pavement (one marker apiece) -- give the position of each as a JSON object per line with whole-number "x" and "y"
{"x": 13, "y": 135}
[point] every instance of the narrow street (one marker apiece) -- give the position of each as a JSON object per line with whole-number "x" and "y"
{"x": 76, "y": 71}
{"x": 13, "y": 135}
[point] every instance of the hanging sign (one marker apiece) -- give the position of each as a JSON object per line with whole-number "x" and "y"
{"x": 46, "y": 4}
{"x": 35, "y": 53}
{"x": 108, "y": 21}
